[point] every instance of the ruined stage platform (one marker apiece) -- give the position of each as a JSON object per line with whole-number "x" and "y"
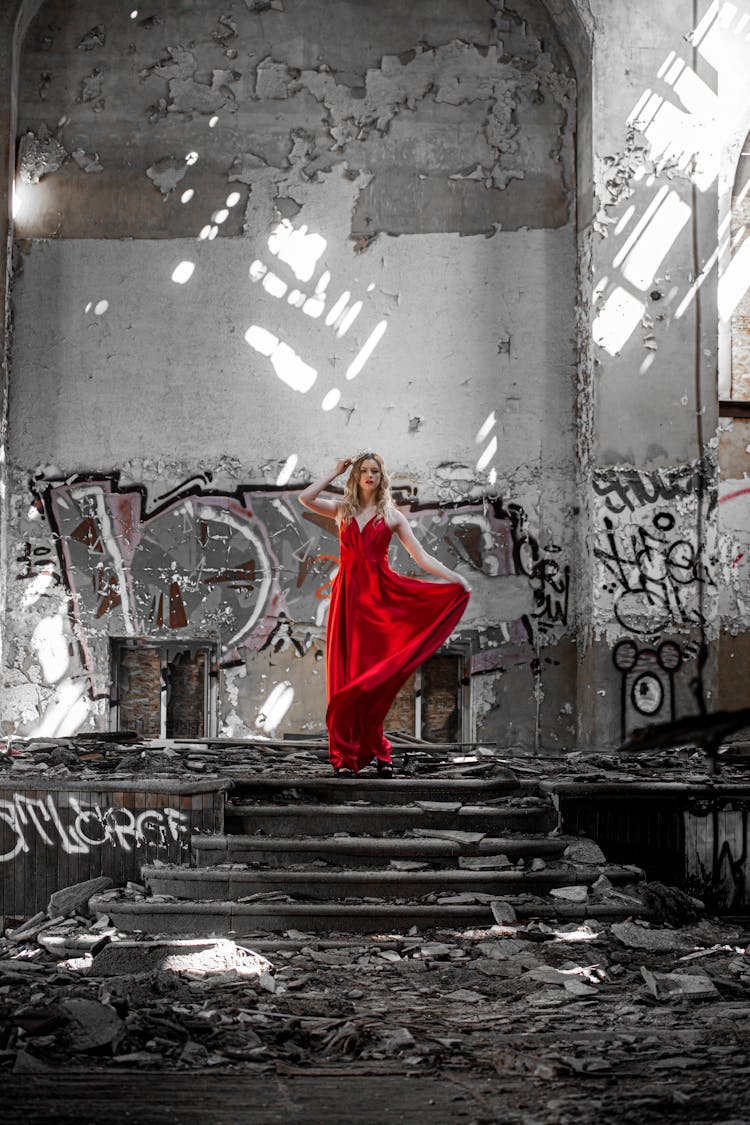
{"x": 229, "y": 925}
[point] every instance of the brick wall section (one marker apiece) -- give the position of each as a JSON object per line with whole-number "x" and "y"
{"x": 440, "y": 701}
{"x": 139, "y": 686}
{"x": 401, "y": 715}
{"x": 741, "y": 315}
{"x": 440, "y": 688}
{"x": 186, "y": 697}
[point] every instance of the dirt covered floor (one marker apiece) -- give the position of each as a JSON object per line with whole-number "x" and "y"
{"x": 583, "y": 1023}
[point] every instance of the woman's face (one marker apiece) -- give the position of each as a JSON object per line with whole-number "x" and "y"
{"x": 369, "y": 474}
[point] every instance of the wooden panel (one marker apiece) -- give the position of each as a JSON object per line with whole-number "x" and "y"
{"x": 53, "y": 837}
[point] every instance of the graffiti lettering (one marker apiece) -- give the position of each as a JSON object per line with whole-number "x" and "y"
{"x": 80, "y": 827}
{"x": 630, "y": 489}
{"x": 550, "y": 580}
{"x": 36, "y": 560}
{"x": 655, "y": 574}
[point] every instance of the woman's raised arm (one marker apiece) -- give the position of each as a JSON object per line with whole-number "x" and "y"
{"x": 421, "y": 557}
{"x": 310, "y": 497}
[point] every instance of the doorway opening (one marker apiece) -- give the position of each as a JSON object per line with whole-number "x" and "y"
{"x": 163, "y": 690}
{"x": 433, "y": 704}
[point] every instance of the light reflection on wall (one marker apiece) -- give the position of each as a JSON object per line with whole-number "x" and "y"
{"x": 686, "y": 127}
{"x": 301, "y": 250}
{"x": 275, "y": 707}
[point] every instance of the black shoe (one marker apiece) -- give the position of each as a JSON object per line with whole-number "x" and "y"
{"x": 343, "y": 771}
{"x": 385, "y": 769}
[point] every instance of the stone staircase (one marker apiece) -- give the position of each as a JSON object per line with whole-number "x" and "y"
{"x": 369, "y": 855}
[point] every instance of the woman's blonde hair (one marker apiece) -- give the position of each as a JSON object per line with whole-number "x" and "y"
{"x": 350, "y": 505}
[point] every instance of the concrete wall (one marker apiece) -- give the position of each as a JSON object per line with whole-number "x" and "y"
{"x": 244, "y": 246}
{"x": 665, "y": 136}
{"x": 262, "y": 240}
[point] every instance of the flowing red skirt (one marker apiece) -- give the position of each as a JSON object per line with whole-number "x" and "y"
{"x": 381, "y": 625}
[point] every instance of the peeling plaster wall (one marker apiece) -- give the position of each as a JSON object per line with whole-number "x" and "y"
{"x": 677, "y": 84}
{"x": 249, "y": 243}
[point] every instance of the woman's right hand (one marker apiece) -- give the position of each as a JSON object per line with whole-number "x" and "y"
{"x": 342, "y": 465}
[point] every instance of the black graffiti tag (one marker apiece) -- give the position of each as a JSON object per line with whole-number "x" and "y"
{"x": 656, "y": 574}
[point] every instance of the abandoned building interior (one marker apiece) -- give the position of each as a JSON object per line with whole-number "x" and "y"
{"x": 504, "y": 243}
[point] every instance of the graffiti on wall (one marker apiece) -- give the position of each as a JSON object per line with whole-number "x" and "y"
{"x": 252, "y": 569}
{"x": 647, "y": 682}
{"x": 734, "y": 554}
{"x": 81, "y": 826}
{"x": 654, "y": 548}
{"x": 716, "y": 851}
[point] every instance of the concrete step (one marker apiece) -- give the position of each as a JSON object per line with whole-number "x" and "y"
{"x": 237, "y": 919}
{"x": 227, "y": 883}
{"x": 364, "y": 851}
{"x": 324, "y": 820}
{"x": 375, "y": 790}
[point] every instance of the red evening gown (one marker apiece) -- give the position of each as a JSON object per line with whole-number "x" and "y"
{"x": 381, "y": 625}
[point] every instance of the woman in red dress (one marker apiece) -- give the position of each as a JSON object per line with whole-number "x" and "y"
{"x": 381, "y": 625}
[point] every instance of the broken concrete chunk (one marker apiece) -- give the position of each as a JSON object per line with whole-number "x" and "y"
{"x": 456, "y": 836}
{"x": 39, "y": 154}
{"x": 602, "y": 886}
{"x": 679, "y": 986}
{"x": 571, "y": 894}
{"x": 396, "y": 1039}
{"x": 483, "y": 862}
{"x": 584, "y": 851}
{"x": 93, "y": 1026}
{"x": 503, "y": 912}
{"x": 166, "y": 173}
{"x": 433, "y": 950}
{"x": 577, "y": 987}
{"x": 75, "y": 899}
{"x": 641, "y": 937}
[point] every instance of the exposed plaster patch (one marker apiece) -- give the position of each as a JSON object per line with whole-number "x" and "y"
{"x": 96, "y": 37}
{"x": 39, "y": 154}
{"x": 167, "y": 173}
{"x": 91, "y": 89}
{"x": 189, "y": 94}
{"x": 433, "y": 82}
{"x": 87, "y": 161}
{"x": 231, "y": 685}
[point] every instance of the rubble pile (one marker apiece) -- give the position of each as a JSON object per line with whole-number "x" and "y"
{"x": 531, "y": 1007}
{"x": 95, "y": 754}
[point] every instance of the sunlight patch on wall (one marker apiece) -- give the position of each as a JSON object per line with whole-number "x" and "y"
{"x": 51, "y": 647}
{"x": 366, "y": 350}
{"x": 734, "y": 282}
{"x": 616, "y": 320}
{"x": 183, "y": 272}
{"x": 39, "y": 586}
{"x": 289, "y": 367}
{"x": 653, "y": 237}
{"x": 66, "y": 714}
{"x": 298, "y": 249}
{"x": 289, "y": 466}
{"x": 275, "y": 707}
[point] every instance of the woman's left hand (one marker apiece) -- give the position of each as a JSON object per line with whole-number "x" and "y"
{"x": 462, "y": 582}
